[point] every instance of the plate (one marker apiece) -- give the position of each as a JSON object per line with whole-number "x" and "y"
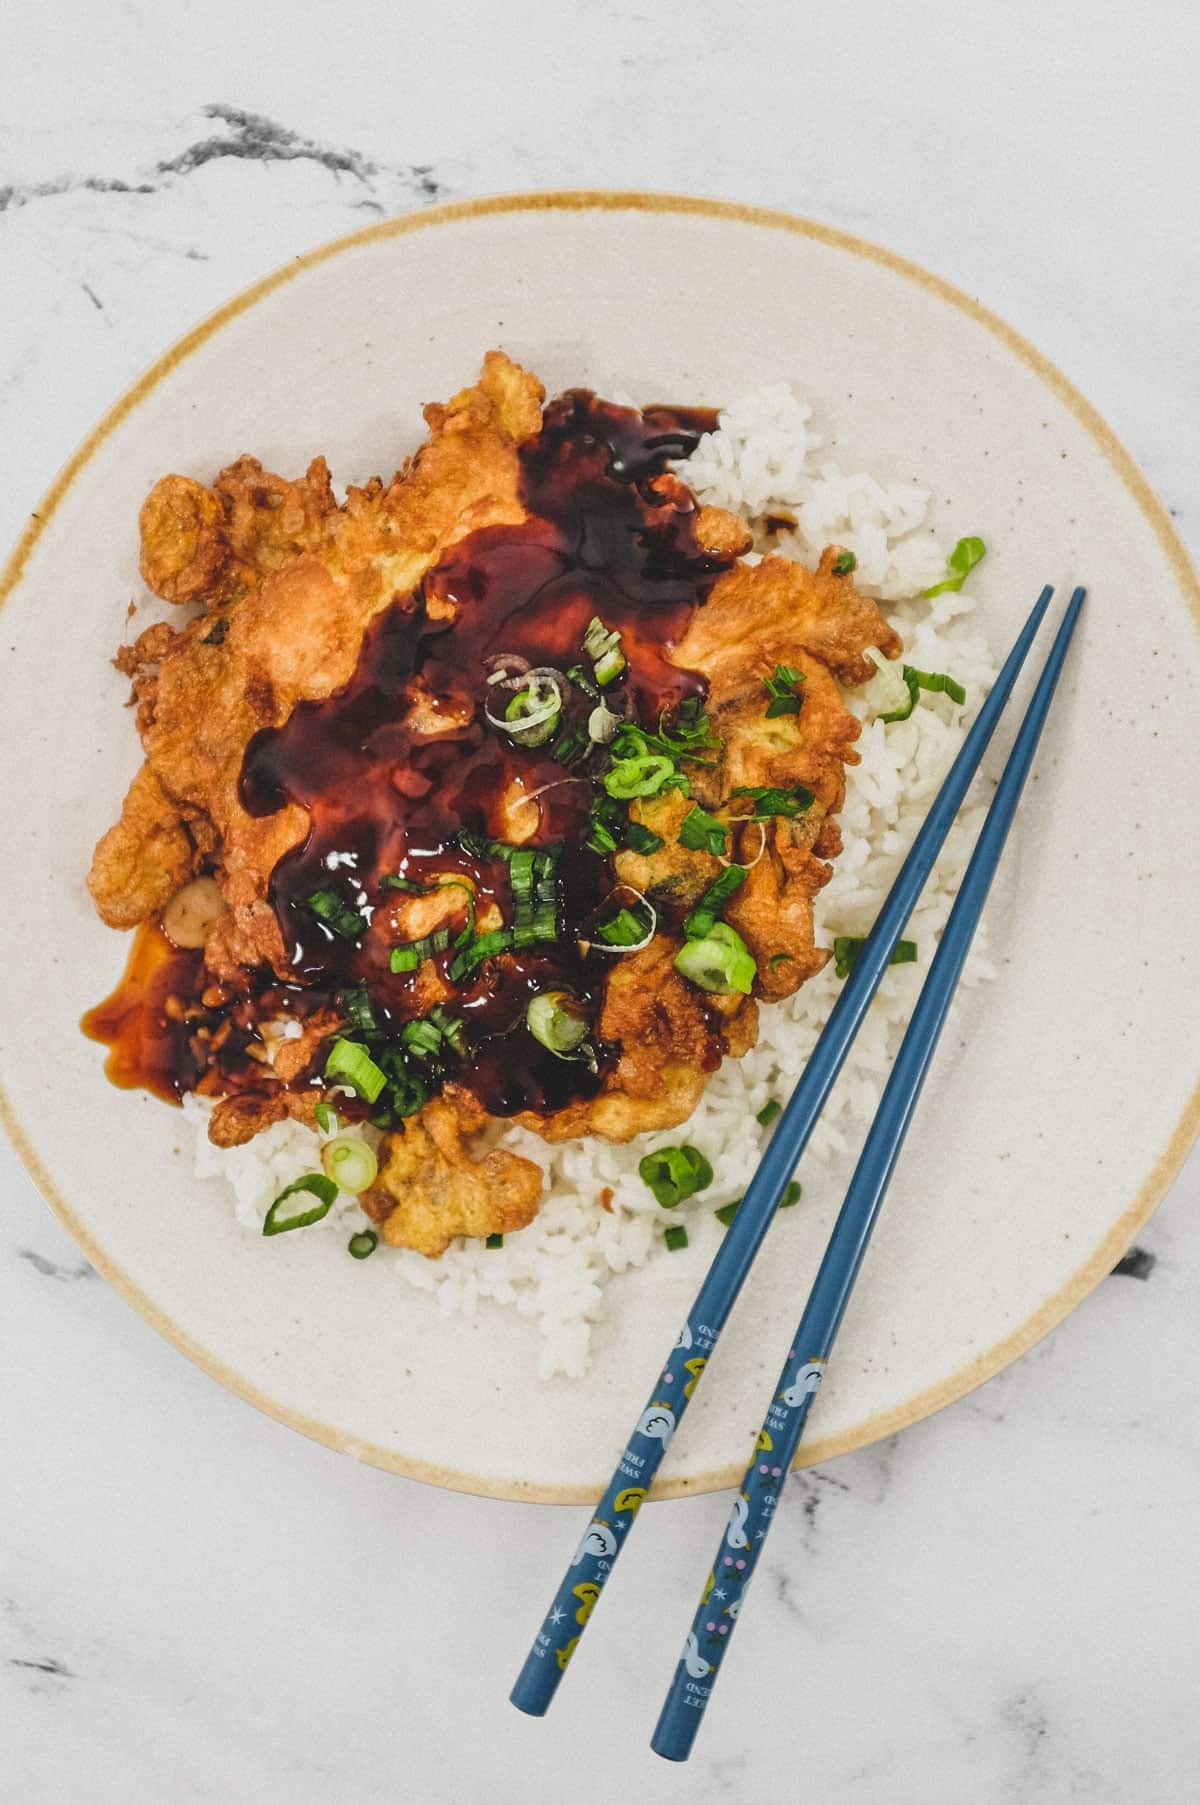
{"x": 1063, "y": 1100}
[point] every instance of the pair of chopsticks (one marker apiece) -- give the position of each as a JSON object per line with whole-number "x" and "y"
{"x": 753, "y": 1509}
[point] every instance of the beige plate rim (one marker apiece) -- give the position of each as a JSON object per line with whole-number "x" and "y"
{"x": 1158, "y": 1178}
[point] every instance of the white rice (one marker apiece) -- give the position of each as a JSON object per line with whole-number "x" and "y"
{"x": 760, "y": 460}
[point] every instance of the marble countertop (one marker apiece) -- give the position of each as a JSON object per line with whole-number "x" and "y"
{"x": 195, "y": 1603}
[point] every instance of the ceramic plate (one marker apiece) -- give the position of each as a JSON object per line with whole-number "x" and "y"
{"x": 1064, "y": 1097}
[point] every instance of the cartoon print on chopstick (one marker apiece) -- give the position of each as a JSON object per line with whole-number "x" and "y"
{"x": 563, "y": 1655}
{"x": 695, "y": 1367}
{"x": 657, "y": 1422}
{"x": 587, "y": 1594}
{"x": 803, "y": 1384}
{"x": 631, "y": 1499}
{"x": 693, "y": 1660}
{"x": 598, "y": 1541}
{"x": 735, "y": 1535}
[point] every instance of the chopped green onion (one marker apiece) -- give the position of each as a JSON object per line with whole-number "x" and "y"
{"x": 603, "y": 647}
{"x": 644, "y": 775}
{"x": 354, "y": 1066}
{"x": 600, "y": 839}
{"x": 719, "y": 962}
{"x": 728, "y": 1211}
{"x": 534, "y": 876}
{"x": 356, "y": 1007}
{"x": 770, "y": 802}
{"x": 336, "y": 914}
{"x": 675, "y": 1173}
{"x": 781, "y": 688}
{"x": 392, "y": 881}
{"x": 570, "y": 745}
{"x": 702, "y": 832}
{"x": 699, "y": 923}
{"x": 771, "y": 1109}
{"x": 363, "y": 1244}
{"x": 327, "y": 1121}
{"x": 936, "y": 681}
{"x": 676, "y": 1237}
{"x": 687, "y": 735}
{"x": 422, "y": 1038}
{"x": 847, "y": 947}
{"x": 454, "y": 1031}
{"x": 905, "y": 709}
{"x": 962, "y": 560}
{"x": 350, "y": 1162}
{"x": 579, "y": 677}
{"x": 624, "y": 929}
{"x": 542, "y": 714}
{"x": 641, "y": 840}
{"x": 323, "y": 1189}
{"x": 494, "y": 1241}
{"x": 557, "y": 1021}
{"x": 407, "y": 958}
{"x": 500, "y": 940}
{"x": 844, "y": 563}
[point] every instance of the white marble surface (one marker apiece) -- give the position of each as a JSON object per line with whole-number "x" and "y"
{"x": 197, "y": 1605}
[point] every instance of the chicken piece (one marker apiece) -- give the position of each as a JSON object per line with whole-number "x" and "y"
{"x": 768, "y": 611}
{"x": 671, "y": 1037}
{"x": 672, "y": 873}
{"x": 186, "y": 554}
{"x": 773, "y": 911}
{"x": 294, "y": 1056}
{"x": 430, "y": 1188}
{"x": 296, "y": 635}
{"x": 237, "y": 1119}
{"x": 209, "y": 545}
{"x": 141, "y": 862}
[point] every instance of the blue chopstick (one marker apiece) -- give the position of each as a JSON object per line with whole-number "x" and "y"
{"x": 754, "y": 1506}
{"x": 593, "y": 1561}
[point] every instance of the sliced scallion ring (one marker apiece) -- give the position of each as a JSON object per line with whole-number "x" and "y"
{"x": 354, "y": 1066}
{"x": 720, "y": 962}
{"x": 557, "y": 1021}
{"x": 362, "y": 1245}
{"x": 313, "y": 1183}
{"x": 350, "y": 1162}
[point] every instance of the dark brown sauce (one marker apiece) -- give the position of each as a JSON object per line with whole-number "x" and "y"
{"x": 150, "y": 1049}
{"x": 388, "y": 793}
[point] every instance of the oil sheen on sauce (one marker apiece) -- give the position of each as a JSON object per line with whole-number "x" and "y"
{"x": 388, "y": 788}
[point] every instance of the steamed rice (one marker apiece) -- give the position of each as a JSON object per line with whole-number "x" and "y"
{"x": 763, "y": 458}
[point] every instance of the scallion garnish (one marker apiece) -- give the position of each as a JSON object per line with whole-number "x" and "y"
{"x": 675, "y": 1173}
{"x": 579, "y": 677}
{"x": 350, "y": 1162}
{"x": 844, "y": 563}
{"x": 335, "y": 913}
{"x": 847, "y": 947}
{"x": 326, "y": 1120}
{"x": 781, "y": 689}
{"x": 728, "y": 1211}
{"x": 534, "y": 716}
{"x": 700, "y": 922}
{"x": 936, "y": 681}
{"x": 962, "y": 561}
{"x": 769, "y": 1111}
{"x": 570, "y": 744}
{"x": 408, "y": 958}
{"x": 557, "y": 1021}
{"x": 641, "y": 840}
{"x": 314, "y": 1183}
{"x": 720, "y": 962}
{"x": 603, "y": 647}
{"x": 353, "y": 1065}
{"x": 643, "y": 775}
{"x": 499, "y": 940}
{"x": 357, "y": 1009}
{"x": 362, "y": 1245}
{"x": 676, "y": 1237}
{"x": 624, "y": 929}
{"x": 701, "y": 832}
{"x": 769, "y": 803}
{"x": 494, "y": 1241}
